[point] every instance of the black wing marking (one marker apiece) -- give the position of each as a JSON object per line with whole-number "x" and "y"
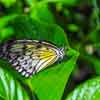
{"x": 25, "y": 65}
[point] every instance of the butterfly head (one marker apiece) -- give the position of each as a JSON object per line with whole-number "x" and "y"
{"x": 61, "y": 52}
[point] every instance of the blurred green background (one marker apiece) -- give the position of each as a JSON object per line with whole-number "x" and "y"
{"x": 77, "y": 20}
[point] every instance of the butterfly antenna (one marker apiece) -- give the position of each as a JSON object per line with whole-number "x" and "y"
{"x": 64, "y": 48}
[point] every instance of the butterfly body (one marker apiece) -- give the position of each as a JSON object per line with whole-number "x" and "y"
{"x": 31, "y": 56}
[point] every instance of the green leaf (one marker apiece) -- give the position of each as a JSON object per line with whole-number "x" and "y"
{"x": 73, "y": 28}
{"x": 5, "y": 29}
{"x": 90, "y": 90}
{"x": 8, "y": 3}
{"x": 6, "y": 33}
{"x": 42, "y": 13}
{"x": 48, "y": 77}
{"x": 94, "y": 36}
{"x": 52, "y": 80}
{"x": 10, "y": 88}
{"x": 28, "y": 28}
{"x": 67, "y": 2}
{"x": 43, "y": 2}
{"x": 5, "y": 20}
{"x": 94, "y": 61}
{"x": 31, "y": 2}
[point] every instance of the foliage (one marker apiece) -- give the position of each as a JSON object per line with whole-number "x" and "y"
{"x": 70, "y": 23}
{"x": 87, "y": 91}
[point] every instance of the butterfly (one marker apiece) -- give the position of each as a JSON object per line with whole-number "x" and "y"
{"x": 31, "y": 56}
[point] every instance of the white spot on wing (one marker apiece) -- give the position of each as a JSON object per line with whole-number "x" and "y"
{"x": 14, "y": 64}
{"x": 20, "y": 70}
{"x": 34, "y": 62}
{"x": 26, "y": 75}
{"x": 17, "y": 67}
{"x": 23, "y": 73}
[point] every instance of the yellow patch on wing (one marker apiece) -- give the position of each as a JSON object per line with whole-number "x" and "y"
{"x": 44, "y": 53}
{"x": 47, "y": 61}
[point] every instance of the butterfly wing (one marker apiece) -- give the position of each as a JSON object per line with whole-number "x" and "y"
{"x": 46, "y": 58}
{"x": 31, "y": 57}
